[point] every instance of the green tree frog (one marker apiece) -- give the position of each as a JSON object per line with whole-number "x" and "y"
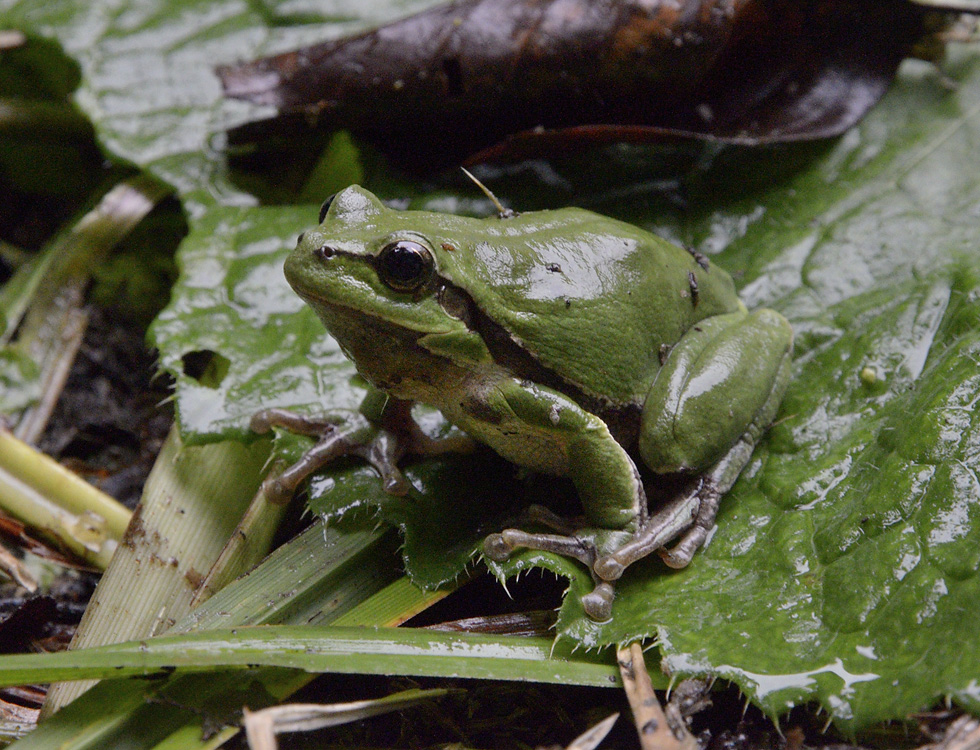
{"x": 570, "y": 343}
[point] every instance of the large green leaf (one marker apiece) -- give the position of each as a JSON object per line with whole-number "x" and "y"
{"x": 845, "y": 563}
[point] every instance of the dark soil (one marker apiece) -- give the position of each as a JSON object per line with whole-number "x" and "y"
{"x": 114, "y": 413}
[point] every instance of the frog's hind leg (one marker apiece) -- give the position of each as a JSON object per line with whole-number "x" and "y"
{"x": 713, "y": 486}
{"x": 568, "y": 543}
{"x": 564, "y": 541}
{"x": 680, "y": 516}
{"x": 691, "y": 514}
{"x": 597, "y": 603}
{"x": 498, "y": 547}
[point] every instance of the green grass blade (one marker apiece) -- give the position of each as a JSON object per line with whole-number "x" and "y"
{"x": 191, "y": 505}
{"x": 44, "y": 495}
{"x": 318, "y": 575}
{"x": 346, "y": 650}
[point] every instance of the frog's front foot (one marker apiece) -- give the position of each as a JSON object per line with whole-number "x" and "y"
{"x": 353, "y": 434}
{"x": 336, "y": 436}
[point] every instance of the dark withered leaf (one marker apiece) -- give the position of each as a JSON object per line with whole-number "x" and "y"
{"x": 483, "y": 80}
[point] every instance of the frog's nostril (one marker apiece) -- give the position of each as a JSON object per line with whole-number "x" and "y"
{"x": 325, "y": 251}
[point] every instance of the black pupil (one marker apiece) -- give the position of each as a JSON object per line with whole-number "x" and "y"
{"x": 404, "y": 265}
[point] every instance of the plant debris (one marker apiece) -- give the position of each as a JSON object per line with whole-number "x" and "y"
{"x": 482, "y": 80}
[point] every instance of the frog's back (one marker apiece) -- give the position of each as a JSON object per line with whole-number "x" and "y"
{"x": 590, "y": 298}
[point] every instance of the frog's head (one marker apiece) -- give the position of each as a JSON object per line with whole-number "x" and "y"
{"x": 371, "y": 274}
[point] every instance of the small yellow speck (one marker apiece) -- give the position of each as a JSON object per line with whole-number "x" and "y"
{"x": 869, "y": 376}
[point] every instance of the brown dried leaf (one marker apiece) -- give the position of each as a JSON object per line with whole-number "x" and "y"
{"x": 506, "y": 79}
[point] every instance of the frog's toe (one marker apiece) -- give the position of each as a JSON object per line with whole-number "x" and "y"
{"x": 383, "y": 457}
{"x": 675, "y": 560}
{"x": 681, "y": 554}
{"x": 495, "y": 547}
{"x": 261, "y": 422}
{"x": 542, "y": 516}
{"x": 598, "y": 602}
{"x": 276, "y": 491}
{"x": 319, "y": 427}
{"x": 694, "y": 538}
{"x": 395, "y": 484}
{"x": 608, "y": 568}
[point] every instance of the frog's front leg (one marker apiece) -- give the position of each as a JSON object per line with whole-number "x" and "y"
{"x": 557, "y": 436}
{"x": 382, "y": 432}
{"x": 717, "y": 393}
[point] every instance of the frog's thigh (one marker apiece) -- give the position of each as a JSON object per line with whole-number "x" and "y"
{"x": 604, "y": 475}
{"x": 767, "y": 339}
{"x": 714, "y": 387}
{"x": 720, "y": 477}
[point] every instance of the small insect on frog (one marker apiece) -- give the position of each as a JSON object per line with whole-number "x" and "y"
{"x": 570, "y": 343}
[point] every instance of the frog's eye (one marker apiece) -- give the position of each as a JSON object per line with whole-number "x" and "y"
{"x": 326, "y": 207}
{"x": 405, "y": 266}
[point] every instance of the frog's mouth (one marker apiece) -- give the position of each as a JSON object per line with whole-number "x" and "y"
{"x": 362, "y": 334}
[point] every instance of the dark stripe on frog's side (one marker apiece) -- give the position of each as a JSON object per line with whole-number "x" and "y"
{"x": 623, "y": 420}
{"x": 480, "y": 410}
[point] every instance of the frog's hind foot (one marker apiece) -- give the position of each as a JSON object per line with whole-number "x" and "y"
{"x": 499, "y": 547}
{"x": 689, "y": 516}
{"x": 682, "y": 553}
{"x": 598, "y": 602}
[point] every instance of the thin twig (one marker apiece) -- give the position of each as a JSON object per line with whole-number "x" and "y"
{"x": 652, "y": 725}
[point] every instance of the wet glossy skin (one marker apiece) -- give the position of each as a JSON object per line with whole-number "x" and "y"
{"x": 570, "y": 343}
